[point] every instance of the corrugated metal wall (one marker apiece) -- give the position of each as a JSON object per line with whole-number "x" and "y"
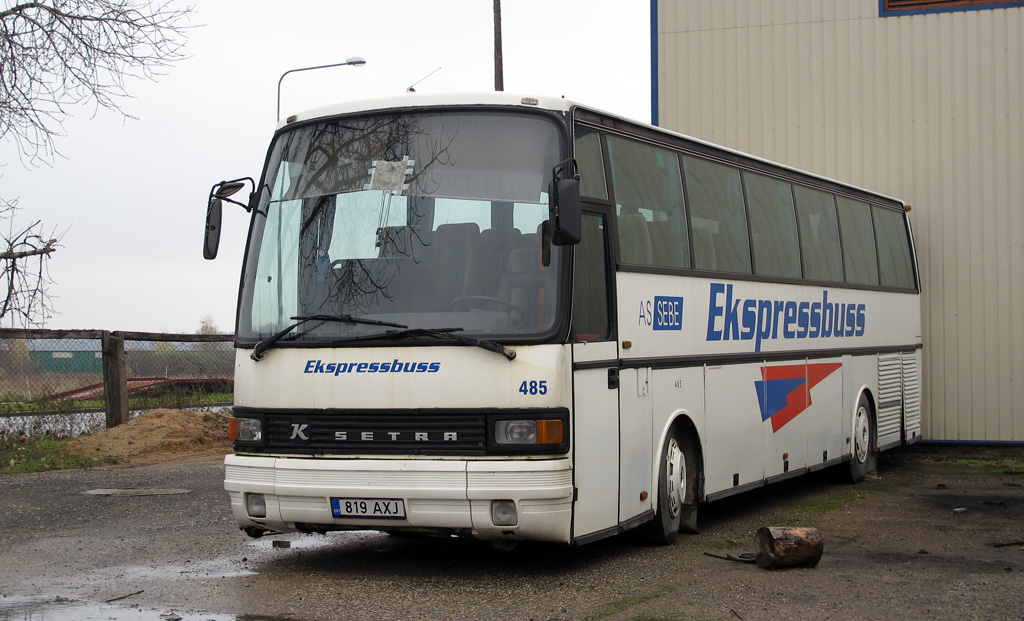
{"x": 928, "y": 108}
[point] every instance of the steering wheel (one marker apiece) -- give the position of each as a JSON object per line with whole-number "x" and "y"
{"x": 469, "y": 302}
{"x": 474, "y": 301}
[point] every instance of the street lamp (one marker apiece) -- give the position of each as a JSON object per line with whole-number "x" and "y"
{"x": 355, "y": 61}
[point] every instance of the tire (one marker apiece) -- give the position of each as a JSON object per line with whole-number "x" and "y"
{"x": 676, "y": 508}
{"x": 864, "y": 459}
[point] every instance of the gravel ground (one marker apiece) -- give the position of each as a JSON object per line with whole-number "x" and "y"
{"x": 919, "y": 541}
{"x": 926, "y": 539}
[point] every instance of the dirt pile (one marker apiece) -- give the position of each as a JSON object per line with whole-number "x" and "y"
{"x": 159, "y": 436}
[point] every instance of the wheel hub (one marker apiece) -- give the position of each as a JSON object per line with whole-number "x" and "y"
{"x": 861, "y": 435}
{"x": 675, "y": 470}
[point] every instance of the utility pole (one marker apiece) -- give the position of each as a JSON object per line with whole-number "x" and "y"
{"x": 499, "y": 71}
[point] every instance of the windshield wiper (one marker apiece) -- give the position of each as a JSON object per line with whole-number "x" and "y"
{"x": 264, "y": 345}
{"x": 443, "y": 333}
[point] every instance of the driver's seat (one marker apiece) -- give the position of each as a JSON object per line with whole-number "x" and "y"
{"x": 528, "y": 285}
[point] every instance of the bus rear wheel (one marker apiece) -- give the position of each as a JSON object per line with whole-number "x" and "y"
{"x": 676, "y": 509}
{"x": 863, "y": 460}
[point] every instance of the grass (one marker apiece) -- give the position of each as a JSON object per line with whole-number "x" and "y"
{"x": 966, "y": 464}
{"x": 51, "y": 406}
{"x": 834, "y": 499}
{"x": 987, "y": 460}
{"x": 166, "y": 399}
{"x": 992, "y": 463}
{"x": 180, "y": 400}
{"x": 41, "y": 454}
{"x": 626, "y": 603}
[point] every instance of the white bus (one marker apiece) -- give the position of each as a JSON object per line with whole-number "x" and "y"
{"x": 519, "y": 318}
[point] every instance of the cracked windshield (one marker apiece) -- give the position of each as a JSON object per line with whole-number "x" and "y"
{"x": 417, "y": 220}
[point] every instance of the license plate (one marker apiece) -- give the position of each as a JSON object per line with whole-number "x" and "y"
{"x": 378, "y": 508}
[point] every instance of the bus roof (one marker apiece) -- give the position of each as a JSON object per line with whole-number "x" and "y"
{"x": 526, "y": 101}
{"x": 418, "y": 100}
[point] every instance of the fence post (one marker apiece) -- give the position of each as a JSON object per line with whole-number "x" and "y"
{"x": 115, "y": 379}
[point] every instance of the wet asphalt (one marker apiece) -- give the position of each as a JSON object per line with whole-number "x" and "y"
{"x": 74, "y": 547}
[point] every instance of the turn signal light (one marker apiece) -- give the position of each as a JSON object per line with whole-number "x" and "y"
{"x": 549, "y": 431}
{"x": 245, "y": 429}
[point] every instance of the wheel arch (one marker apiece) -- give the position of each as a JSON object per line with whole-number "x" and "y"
{"x": 863, "y": 442}
{"x": 691, "y": 442}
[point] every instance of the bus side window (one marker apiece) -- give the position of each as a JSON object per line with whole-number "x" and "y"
{"x": 819, "y": 234}
{"x": 648, "y": 192}
{"x": 590, "y": 283}
{"x": 894, "y": 245}
{"x": 858, "y": 237}
{"x": 719, "y": 216}
{"x": 591, "y": 162}
{"x": 772, "y": 226}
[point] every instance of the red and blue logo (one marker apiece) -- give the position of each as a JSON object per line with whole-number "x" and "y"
{"x": 785, "y": 392}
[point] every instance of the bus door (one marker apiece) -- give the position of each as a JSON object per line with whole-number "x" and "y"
{"x": 636, "y": 444}
{"x": 595, "y": 387}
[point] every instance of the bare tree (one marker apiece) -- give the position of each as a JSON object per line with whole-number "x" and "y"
{"x": 23, "y": 270}
{"x": 55, "y": 55}
{"x": 206, "y": 325}
{"x": 58, "y": 53}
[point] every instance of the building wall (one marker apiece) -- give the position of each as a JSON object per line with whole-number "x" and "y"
{"x": 928, "y": 108}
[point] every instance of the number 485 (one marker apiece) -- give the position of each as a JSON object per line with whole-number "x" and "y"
{"x": 534, "y": 387}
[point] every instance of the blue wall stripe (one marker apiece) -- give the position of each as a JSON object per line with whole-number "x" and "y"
{"x": 971, "y": 442}
{"x": 654, "y": 62}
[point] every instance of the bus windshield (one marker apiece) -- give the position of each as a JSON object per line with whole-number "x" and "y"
{"x": 423, "y": 220}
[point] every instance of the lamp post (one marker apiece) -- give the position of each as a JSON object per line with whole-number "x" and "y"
{"x": 499, "y": 67}
{"x": 355, "y": 61}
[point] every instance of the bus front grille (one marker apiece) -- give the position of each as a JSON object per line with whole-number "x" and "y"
{"x": 375, "y": 433}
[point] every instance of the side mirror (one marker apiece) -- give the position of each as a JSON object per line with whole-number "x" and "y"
{"x": 564, "y": 208}
{"x": 211, "y": 240}
{"x": 219, "y": 193}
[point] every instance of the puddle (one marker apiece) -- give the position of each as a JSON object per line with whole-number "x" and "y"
{"x": 266, "y": 549}
{"x": 216, "y": 568}
{"x": 60, "y": 609}
{"x": 297, "y": 541}
{"x": 136, "y": 492}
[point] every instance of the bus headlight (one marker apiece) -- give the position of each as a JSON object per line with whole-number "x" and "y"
{"x": 528, "y": 431}
{"x": 245, "y": 429}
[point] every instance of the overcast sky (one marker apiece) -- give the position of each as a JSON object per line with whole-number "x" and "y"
{"x": 131, "y": 193}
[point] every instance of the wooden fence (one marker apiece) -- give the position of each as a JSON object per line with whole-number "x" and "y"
{"x": 157, "y": 360}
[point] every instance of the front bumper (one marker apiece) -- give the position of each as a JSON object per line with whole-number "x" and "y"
{"x": 445, "y": 495}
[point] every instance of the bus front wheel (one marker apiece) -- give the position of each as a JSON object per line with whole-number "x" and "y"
{"x": 677, "y": 509}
